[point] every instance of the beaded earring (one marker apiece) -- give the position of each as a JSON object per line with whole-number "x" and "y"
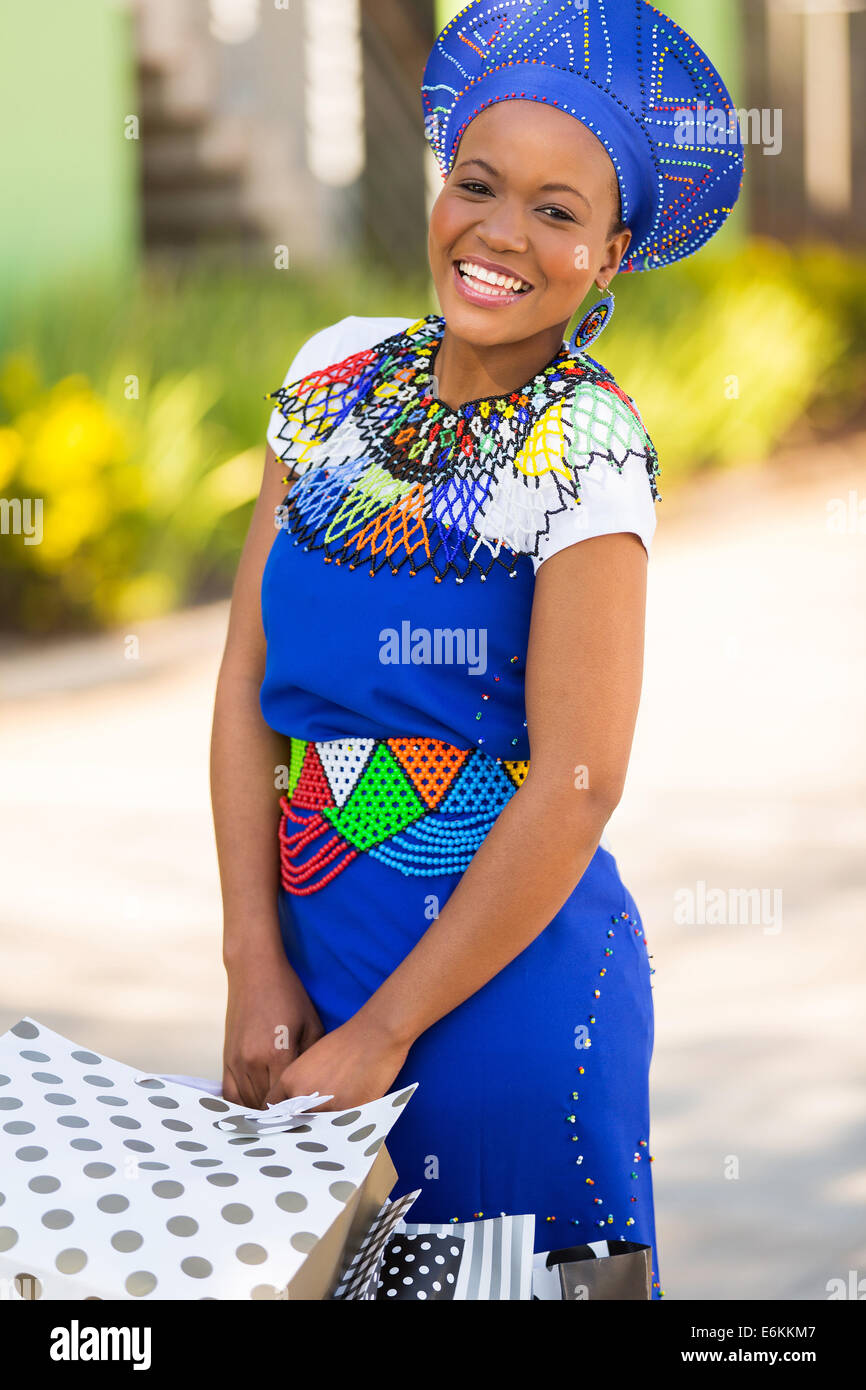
{"x": 593, "y": 323}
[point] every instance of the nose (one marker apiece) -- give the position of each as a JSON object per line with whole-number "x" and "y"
{"x": 503, "y": 228}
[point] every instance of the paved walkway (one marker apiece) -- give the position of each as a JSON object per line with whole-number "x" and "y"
{"x": 748, "y": 772}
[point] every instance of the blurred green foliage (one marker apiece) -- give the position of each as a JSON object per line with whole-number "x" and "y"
{"x": 727, "y": 358}
{"x": 141, "y": 423}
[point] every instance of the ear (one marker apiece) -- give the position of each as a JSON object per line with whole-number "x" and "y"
{"x": 616, "y": 249}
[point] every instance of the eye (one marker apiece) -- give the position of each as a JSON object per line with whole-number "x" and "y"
{"x": 474, "y": 186}
{"x": 561, "y": 214}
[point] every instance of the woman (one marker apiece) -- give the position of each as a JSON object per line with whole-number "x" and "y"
{"x": 450, "y": 667}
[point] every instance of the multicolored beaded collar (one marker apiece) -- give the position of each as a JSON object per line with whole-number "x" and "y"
{"x": 407, "y": 478}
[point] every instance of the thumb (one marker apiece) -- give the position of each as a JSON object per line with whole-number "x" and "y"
{"x": 231, "y": 1091}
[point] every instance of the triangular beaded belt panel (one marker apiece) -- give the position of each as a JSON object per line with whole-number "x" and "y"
{"x": 417, "y": 804}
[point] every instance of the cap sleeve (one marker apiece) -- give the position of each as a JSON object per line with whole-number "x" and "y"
{"x": 609, "y": 468}
{"x": 311, "y": 398}
{"x": 285, "y": 433}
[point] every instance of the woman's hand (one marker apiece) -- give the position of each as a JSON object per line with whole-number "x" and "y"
{"x": 354, "y": 1064}
{"x": 270, "y": 1020}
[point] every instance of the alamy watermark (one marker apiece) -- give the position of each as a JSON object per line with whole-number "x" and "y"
{"x": 713, "y": 125}
{"x": 22, "y": 516}
{"x": 729, "y": 907}
{"x": 77, "y": 1343}
{"x": 438, "y": 646}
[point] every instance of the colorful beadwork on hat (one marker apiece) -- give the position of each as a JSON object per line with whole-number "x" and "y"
{"x": 420, "y": 805}
{"x": 627, "y": 72}
{"x": 405, "y": 477}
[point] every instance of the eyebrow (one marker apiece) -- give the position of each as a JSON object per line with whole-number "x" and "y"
{"x": 545, "y": 188}
{"x": 565, "y": 188}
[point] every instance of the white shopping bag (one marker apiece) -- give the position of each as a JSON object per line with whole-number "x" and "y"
{"x": 118, "y": 1184}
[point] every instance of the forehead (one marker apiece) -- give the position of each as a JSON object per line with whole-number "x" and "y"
{"x": 528, "y": 137}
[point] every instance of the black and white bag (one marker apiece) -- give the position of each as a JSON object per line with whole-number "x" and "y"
{"x": 485, "y": 1260}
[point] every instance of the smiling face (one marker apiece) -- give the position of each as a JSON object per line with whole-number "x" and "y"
{"x": 524, "y": 225}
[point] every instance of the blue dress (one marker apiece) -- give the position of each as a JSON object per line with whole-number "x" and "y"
{"x": 396, "y": 602}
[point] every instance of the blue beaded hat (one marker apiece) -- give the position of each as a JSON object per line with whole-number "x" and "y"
{"x": 632, "y": 76}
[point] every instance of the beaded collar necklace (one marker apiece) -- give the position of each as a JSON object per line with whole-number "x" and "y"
{"x": 473, "y": 430}
{"x": 430, "y": 385}
{"x": 410, "y": 478}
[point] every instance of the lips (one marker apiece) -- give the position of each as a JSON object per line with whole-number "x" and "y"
{"x": 484, "y": 282}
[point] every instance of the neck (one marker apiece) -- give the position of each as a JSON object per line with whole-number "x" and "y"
{"x": 469, "y": 371}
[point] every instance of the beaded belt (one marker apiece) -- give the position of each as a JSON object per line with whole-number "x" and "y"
{"x": 419, "y": 805}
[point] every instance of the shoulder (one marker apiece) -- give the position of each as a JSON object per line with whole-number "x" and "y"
{"x": 308, "y": 405}
{"x": 605, "y": 418}
{"x": 340, "y": 340}
{"x": 608, "y": 466}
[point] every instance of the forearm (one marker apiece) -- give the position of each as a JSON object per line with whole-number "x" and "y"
{"x": 532, "y": 859}
{"x": 244, "y": 755}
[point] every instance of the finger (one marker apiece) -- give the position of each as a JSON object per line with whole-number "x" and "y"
{"x": 257, "y": 1085}
{"x": 277, "y": 1090}
{"x": 284, "y": 1056}
{"x": 231, "y": 1089}
{"x": 245, "y": 1088}
{"x": 309, "y": 1035}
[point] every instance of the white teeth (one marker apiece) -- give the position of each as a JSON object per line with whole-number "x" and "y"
{"x": 500, "y": 285}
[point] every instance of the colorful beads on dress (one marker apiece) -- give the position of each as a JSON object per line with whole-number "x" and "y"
{"x": 609, "y": 1217}
{"x": 606, "y": 1218}
{"x": 417, "y": 804}
{"x": 404, "y": 478}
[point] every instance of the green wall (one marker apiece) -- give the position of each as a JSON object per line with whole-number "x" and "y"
{"x": 67, "y": 174}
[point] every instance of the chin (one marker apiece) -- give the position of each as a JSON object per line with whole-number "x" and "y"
{"x": 487, "y": 327}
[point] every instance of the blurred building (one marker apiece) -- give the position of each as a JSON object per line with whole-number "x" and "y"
{"x": 293, "y": 124}
{"x": 806, "y": 61}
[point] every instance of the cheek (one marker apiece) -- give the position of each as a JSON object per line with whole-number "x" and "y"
{"x": 448, "y": 220}
{"x": 567, "y": 257}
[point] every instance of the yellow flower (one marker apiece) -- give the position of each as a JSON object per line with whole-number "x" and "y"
{"x": 81, "y": 513}
{"x": 70, "y": 440}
